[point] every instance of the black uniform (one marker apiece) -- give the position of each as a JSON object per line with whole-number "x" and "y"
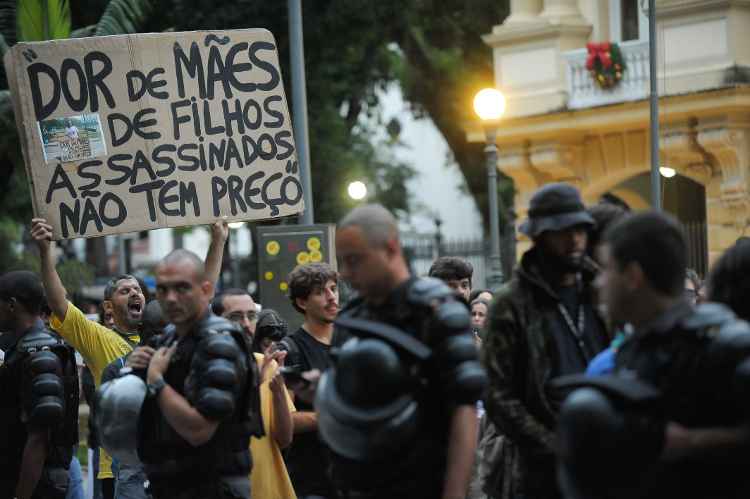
{"x": 691, "y": 357}
{"x": 417, "y": 384}
{"x": 307, "y": 459}
{"x": 38, "y": 391}
{"x": 689, "y": 366}
{"x": 210, "y": 368}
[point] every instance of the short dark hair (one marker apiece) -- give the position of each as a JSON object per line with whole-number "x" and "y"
{"x": 111, "y": 286}
{"x": 476, "y": 292}
{"x": 25, "y": 287}
{"x": 604, "y": 214}
{"x": 477, "y": 301}
{"x": 654, "y": 241}
{"x": 217, "y": 304}
{"x": 728, "y": 281}
{"x": 305, "y": 279}
{"x": 449, "y": 268}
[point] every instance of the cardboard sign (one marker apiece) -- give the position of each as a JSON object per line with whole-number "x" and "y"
{"x": 280, "y": 249}
{"x": 137, "y": 132}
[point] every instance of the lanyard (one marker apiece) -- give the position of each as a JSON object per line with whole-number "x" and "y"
{"x": 576, "y": 328}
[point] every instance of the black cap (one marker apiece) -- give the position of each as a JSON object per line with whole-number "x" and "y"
{"x": 270, "y": 323}
{"x": 556, "y": 206}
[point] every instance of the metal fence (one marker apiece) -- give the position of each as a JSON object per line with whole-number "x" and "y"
{"x": 697, "y": 243}
{"x": 422, "y": 249}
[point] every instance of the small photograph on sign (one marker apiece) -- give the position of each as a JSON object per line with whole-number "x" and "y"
{"x": 73, "y": 138}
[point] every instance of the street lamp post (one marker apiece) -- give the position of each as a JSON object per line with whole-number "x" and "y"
{"x": 489, "y": 104}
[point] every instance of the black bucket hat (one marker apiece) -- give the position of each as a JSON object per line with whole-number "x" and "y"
{"x": 555, "y": 206}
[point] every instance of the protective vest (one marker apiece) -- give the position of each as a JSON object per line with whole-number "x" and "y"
{"x": 693, "y": 369}
{"x": 211, "y": 369}
{"x": 384, "y": 407}
{"x": 38, "y": 388}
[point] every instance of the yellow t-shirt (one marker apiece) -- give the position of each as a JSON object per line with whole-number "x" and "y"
{"x": 269, "y": 478}
{"x": 99, "y": 346}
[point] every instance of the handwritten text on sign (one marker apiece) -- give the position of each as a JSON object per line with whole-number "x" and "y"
{"x": 205, "y": 134}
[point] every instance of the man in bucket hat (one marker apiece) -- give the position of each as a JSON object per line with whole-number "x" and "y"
{"x": 543, "y": 324}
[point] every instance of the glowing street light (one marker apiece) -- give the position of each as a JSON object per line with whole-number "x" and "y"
{"x": 489, "y": 104}
{"x": 667, "y": 172}
{"x": 357, "y": 190}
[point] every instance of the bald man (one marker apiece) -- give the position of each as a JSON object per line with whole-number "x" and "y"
{"x": 383, "y": 446}
{"x": 202, "y": 405}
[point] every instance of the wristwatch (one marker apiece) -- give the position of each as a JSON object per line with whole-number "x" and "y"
{"x": 156, "y": 387}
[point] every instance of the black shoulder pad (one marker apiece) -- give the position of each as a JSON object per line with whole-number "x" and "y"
{"x": 217, "y": 324}
{"x": 218, "y": 372}
{"x": 451, "y": 315}
{"x": 731, "y": 337}
{"x": 46, "y": 402}
{"x": 39, "y": 339}
{"x": 463, "y": 378}
{"x": 352, "y": 305}
{"x": 426, "y": 290}
{"x": 707, "y": 315}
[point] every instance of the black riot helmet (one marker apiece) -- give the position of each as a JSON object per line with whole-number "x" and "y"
{"x": 368, "y": 401}
{"x": 610, "y": 433}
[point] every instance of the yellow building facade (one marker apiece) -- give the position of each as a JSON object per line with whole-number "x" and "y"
{"x": 560, "y": 125}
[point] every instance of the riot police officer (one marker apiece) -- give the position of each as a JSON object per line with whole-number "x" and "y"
{"x": 202, "y": 403}
{"x": 674, "y": 420}
{"x": 38, "y": 395}
{"x": 398, "y": 409}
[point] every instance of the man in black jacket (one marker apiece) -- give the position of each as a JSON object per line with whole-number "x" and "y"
{"x": 38, "y": 395}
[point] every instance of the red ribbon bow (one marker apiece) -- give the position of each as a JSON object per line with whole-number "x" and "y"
{"x": 599, "y": 51}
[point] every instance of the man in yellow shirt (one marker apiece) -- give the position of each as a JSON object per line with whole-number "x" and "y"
{"x": 98, "y": 345}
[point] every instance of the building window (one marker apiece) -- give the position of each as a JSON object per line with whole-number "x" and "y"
{"x": 629, "y": 19}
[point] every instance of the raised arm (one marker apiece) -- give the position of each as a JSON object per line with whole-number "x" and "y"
{"x": 57, "y": 299}
{"x": 215, "y": 255}
{"x": 282, "y": 426}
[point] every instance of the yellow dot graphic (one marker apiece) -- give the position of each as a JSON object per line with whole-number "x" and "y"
{"x": 316, "y": 256}
{"x": 268, "y": 276}
{"x": 303, "y": 258}
{"x": 313, "y": 244}
{"x": 273, "y": 248}
{"x": 283, "y": 286}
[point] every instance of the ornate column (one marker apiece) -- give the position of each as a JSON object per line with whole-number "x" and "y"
{"x": 556, "y": 11}
{"x": 524, "y": 11}
{"x": 727, "y": 194}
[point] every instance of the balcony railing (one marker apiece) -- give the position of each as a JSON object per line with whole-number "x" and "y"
{"x": 584, "y": 92}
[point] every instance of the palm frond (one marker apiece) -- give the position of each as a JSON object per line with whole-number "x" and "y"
{"x": 124, "y": 16}
{"x": 42, "y": 20}
{"x": 84, "y": 32}
{"x": 3, "y": 46}
{"x": 8, "y": 20}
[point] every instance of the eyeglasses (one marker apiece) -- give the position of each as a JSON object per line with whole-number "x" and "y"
{"x": 239, "y": 316}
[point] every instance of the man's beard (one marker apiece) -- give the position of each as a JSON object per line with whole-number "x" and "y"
{"x": 555, "y": 264}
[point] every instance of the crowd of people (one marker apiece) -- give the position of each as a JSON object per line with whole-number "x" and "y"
{"x": 604, "y": 368}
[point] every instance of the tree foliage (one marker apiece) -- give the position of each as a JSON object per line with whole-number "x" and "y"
{"x": 33, "y": 20}
{"x": 353, "y": 49}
